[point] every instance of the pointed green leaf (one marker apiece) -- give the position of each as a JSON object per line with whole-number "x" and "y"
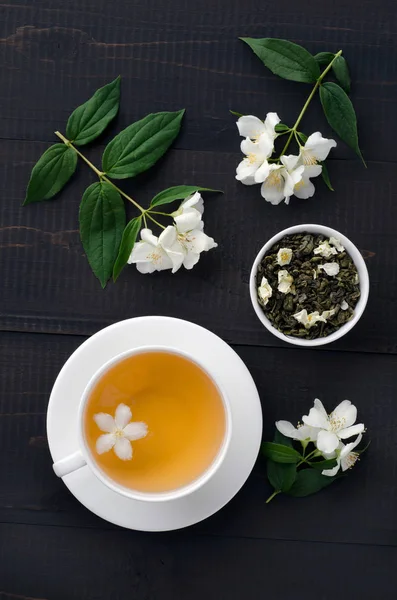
{"x": 324, "y": 58}
{"x": 280, "y": 453}
{"x": 281, "y": 128}
{"x": 321, "y": 465}
{"x": 281, "y": 476}
{"x": 279, "y": 438}
{"x": 325, "y": 176}
{"x": 53, "y": 169}
{"x": 309, "y": 481}
{"x": 236, "y": 114}
{"x": 341, "y": 71}
{"x": 285, "y": 59}
{"x": 302, "y": 136}
{"x": 139, "y": 146}
{"x": 102, "y": 220}
{"x": 178, "y": 192}
{"x": 90, "y": 119}
{"x": 127, "y": 243}
{"x": 340, "y": 114}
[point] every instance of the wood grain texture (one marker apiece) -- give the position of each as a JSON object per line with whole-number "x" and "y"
{"x": 41, "y": 243}
{"x": 341, "y": 543}
{"x": 360, "y": 509}
{"x": 187, "y": 54}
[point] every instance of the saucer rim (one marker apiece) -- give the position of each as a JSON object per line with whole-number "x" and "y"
{"x": 77, "y": 481}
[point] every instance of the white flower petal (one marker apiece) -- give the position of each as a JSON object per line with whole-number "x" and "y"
{"x": 349, "y": 447}
{"x": 332, "y": 472}
{"x": 308, "y": 433}
{"x": 188, "y": 220}
{"x": 195, "y": 200}
{"x": 271, "y": 193}
{"x": 290, "y": 161}
{"x": 197, "y": 241}
{"x": 262, "y": 173}
{"x": 105, "y": 443}
{"x": 344, "y": 305}
{"x": 316, "y": 418}
{"x": 251, "y": 149}
{"x": 147, "y": 236}
{"x": 319, "y": 146}
{"x": 284, "y": 256}
{"x": 140, "y": 252}
{"x": 327, "y": 441}
{"x": 265, "y": 291}
{"x": 123, "y": 448}
{"x": 272, "y": 119}
{"x": 304, "y": 189}
{"x": 135, "y": 430}
{"x": 320, "y": 407}
{"x": 105, "y": 422}
{"x": 335, "y": 242}
{"x": 245, "y": 172}
{"x": 123, "y": 415}
{"x": 250, "y": 126}
{"x": 350, "y": 431}
{"x": 190, "y": 260}
{"x": 285, "y": 281}
{"x": 287, "y": 429}
{"x": 145, "y": 267}
{"x": 325, "y": 250}
{"x": 345, "y": 411}
{"x": 265, "y": 145}
{"x": 331, "y": 268}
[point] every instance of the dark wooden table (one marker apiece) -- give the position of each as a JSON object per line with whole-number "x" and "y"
{"x": 340, "y": 543}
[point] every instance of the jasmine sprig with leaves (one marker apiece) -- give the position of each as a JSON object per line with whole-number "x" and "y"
{"x": 283, "y": 175}
{"x": 107, "y": 240}
{"x": 321, "y": 453}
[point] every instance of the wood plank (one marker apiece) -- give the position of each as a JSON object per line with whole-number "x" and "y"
{"x": 119, "y": 564}
{"x": 55, "y": 291}
{"x": 177, "y": 55}
{"x": 360, "y": 509}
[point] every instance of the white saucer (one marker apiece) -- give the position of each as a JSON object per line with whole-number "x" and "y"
{"x": 232, "y": 375}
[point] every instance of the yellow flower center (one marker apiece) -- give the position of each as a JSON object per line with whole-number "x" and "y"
{"x": 284, "y": 256}
{"x": 310, "y": 318}
{"x": 255, "y": 137}
{"x": 275, "y": 179}
{"x": 308, "y": 158}
{"x": 336, "y": 423}
{"x": 118, "y": 433}
{"x": 251, "y": 158}
{"x": 299, "y": 185}
{"x": 351, "y": 459}
{"x": 154, "y": 257}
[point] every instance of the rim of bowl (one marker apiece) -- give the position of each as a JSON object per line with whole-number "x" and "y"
{"x": 362, "y": 273}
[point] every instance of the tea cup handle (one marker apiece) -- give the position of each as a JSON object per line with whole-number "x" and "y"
{"x": 69, "y": 464}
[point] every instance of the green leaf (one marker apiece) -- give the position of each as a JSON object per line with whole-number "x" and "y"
{"x": 309, "y": 481}
{"x": 279, "y": 438}
{"x": 178, "y": 192}
{"x": 321, "y": 465}
{"x": 302, "y": 136}
{"x": 324, "y": 58}
{"x": 53, "y": 169}
{"x": 280, "y": 453}
{"x": 281, "y": 476}
{"x": 285, "y": 59}
{"x": 236, "y": 114}
{"x": 127, "y": 243}
{"x": 341, "y": 71}
{"x": 340, "y": 114}
{"x": 139, "y": 146}
{"x": 325, "y": 176}
{"x": 280, "y": 128}
{"x": 102, "y": 220}
{"x": 90, "y": 119}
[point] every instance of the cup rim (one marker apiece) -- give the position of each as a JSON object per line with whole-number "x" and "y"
{"x": 362, "y": 272}
{"x": 185, "y": 490}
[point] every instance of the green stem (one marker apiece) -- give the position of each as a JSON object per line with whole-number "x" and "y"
{"x": 100, "y": 174}
{"x": 144, "y": 220}
{"x": 155, "y": 212}
{"x": 273, "y": 496}
{"x": 154, "y": 221}
{"x": 305, "y": 459}
{"x": 306, "y": 104}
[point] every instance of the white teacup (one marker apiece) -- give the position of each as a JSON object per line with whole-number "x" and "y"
{"x": 83, "y": 456}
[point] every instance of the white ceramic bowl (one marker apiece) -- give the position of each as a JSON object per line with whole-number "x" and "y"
{"x": 362, "y": 273}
